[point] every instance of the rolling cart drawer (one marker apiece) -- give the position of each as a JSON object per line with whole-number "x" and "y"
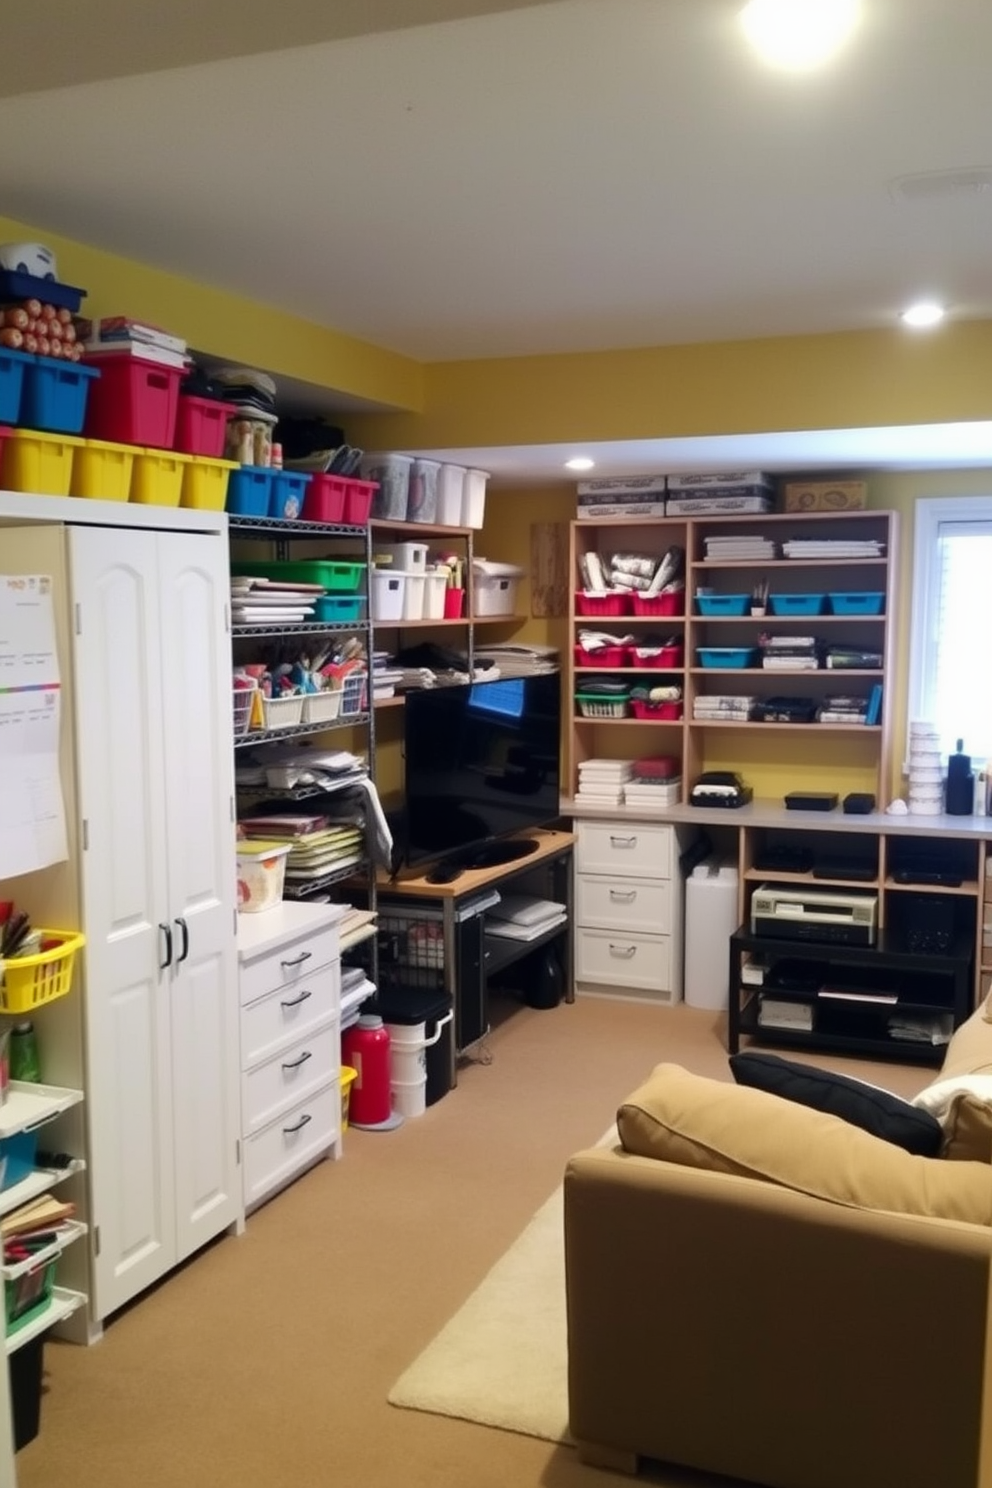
{"x": 624, "y": 959}
{"x": 642, "y": 850}
{"x": 643, "y": 904}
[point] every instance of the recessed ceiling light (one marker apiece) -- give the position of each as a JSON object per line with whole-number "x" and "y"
{"x": 798, "y": 34}
{"x": 580, "y": 462}
{"x": 925, "y": 313}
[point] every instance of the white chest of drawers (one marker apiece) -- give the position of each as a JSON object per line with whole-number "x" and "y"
{"x": 628, "y": 910}
{"x": 290, "y": 992}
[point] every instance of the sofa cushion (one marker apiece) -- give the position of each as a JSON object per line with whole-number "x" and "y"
{"x": 874, "y": 1110}
{"x": 685, "y": 1118}
{"x": 960, "y": 1097}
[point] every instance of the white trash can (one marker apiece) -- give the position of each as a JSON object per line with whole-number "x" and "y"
{"x": 710, "y": 921}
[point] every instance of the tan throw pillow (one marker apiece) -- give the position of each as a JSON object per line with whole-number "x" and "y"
{"x": 684, "y": 1118}
{"x": 967, "y": 1128}
{"x": 960, "y": 1097}
{"x": 969, "y": 1051}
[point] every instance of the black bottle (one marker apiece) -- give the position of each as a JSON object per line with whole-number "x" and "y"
{"x": 959, "y": 793}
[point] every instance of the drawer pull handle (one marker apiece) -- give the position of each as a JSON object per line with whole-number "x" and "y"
{"x": 625, "y": 951}
{"x": 295, "y": 1063}
{"x": 623, "y": 896}
{"x": 622, "y": 841}
{"x": 296, "y": 961}
{"x": 290, "y": 1131}
{"x": 295, "y": 1001}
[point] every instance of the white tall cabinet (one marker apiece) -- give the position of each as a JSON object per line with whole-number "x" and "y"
{"x": 155, "y": 785}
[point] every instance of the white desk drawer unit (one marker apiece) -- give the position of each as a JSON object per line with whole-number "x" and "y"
{"x": 290, "y": 1144}
{"x": 628, "y": 910}
{"x": 290, "y": 988}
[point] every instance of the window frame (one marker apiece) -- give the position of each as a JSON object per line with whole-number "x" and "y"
{"x": 929, "y": 514}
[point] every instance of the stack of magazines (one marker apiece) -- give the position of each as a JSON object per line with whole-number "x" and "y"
{"x": 724, "y": 707}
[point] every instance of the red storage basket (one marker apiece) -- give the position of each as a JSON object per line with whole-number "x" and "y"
{"x": 133, "y": 401}
{"x": 606, "y": 656}
{"x": 656, "y": 712}
{"x": 615, "y": 603}
{"x": 325, "y": 498}
{"x": 672, "y": 603}
{"x": 201, "y": 426}
{"x": 668, "y": 656}
{"x": 358, "y": 502}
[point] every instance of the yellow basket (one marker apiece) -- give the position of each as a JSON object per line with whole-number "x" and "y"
{"x": 158, "y": 477}
{"x": 101, "y": 471}
{"x": 205, "y": 483}
{"x": 40, "y": 464}
{"x": 348, "y": 1076}
{"x": 29, "y": 982}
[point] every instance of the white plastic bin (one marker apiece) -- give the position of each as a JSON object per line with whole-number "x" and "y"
{"x": 435, "y": 585}
{"x": 422, "y": 498}
{"x": 388, "y": 594}
{"x": 450, "y": 495}
{"x": 410, "y": 557}
{"x": 493, "y": 595}
{"x": 474, "y": 498}
{"x": 392, "y": 473}
{"x": 413, "y": 596}
{"x": 261, "y": 874}
{"x": 710, "y": 921}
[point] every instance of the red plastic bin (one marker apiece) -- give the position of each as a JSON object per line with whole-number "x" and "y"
{"x": 358, "y": 502}
{"x": 671, "y": 603}
{"x": 668, "y": 656}
{"x": 201, "y": 426}
{"x": 656, "y": 712}
{"x": 605, "y": 656}
{"x": 614, "y": 603}
{"x": 133, "y": 402}
{"x": 325, "y": 497}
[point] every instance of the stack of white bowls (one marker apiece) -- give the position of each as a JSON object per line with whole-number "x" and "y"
{"x": 926, "y": 778}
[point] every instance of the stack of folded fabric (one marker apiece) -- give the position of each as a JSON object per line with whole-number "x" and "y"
{"x": 601, "y": 781}
{"x": 655, "y": 780}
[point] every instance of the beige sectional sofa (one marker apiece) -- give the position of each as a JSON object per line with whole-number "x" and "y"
{"x": 763, "y": 1290}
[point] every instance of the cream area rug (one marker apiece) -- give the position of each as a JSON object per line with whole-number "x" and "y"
{"x": 501, "y": 1359}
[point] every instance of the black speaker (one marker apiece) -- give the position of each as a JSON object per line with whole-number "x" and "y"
{"x": 929, "y": 923}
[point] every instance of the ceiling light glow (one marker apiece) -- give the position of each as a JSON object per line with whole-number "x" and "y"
{"x": 580, "y": 462}
{"x": 798, "y": 34}
{"x": 925, "y": 313}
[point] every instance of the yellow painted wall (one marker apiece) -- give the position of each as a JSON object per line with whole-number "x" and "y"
{"x": 229, "y": 326}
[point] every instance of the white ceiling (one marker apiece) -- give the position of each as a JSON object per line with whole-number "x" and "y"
{"x": 520, "y": 179}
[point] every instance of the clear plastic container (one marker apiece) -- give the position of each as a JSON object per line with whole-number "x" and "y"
{"x": 261, "y": 874}
{"x": 392, "y": 473}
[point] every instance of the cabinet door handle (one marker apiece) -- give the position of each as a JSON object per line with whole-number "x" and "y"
{"x": 167, "y": 932}
{"x": 295, "y": 1063}
{"x": 290, "y": 1131}
{"x": 623, "y": 896}
{"x": 295, "y": 1001}
{"x": 185, "y": 950}
{"x": 297, "y": 960}
{"x": 622, "y": 841}
{"x": 625, "y": 951}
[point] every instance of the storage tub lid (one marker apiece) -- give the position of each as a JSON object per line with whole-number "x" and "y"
{"x": 412, "y": 1005}
{"x": 260, "y": 850}
{"x": 493, "y": 570}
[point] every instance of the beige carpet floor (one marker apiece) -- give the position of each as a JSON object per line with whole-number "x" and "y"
{"x": 266, "y": 1362}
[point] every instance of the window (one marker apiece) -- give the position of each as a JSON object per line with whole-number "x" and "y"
{"x": 952, "y": 621}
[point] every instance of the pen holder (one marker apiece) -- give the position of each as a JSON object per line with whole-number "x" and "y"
{"x": 454, "y": 603}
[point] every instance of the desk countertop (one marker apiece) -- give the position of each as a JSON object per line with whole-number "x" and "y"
{"x": 473, "y": 879}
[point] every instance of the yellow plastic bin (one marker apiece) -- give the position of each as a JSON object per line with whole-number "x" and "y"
{"x": 158, "y": 477}
{"x": 40, "y": 464}
{"x": 102, "y": 471}
{"x": 205, "y": 483}
{"x": 348, "y": 1075}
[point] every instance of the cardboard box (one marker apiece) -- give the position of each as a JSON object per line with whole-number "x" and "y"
{"x": 826, "y": 495}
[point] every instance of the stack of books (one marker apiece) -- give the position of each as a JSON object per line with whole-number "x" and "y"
{"x": 602, "y": 781}
{"x": 519, "y": 660}
{"x": 118, "y": 333}
{"x": 833, "y": 547}
{"x": 743, "y": 545}
{"x": 622, "y": 496}
{"x": 732, "y": 492}
{"x": 843, "y": 710}
{"x": 724, "y": 707}
{"x": 853, "y": 658}
{"x": 654, "y": 781}
{"x": 787, "y": 653}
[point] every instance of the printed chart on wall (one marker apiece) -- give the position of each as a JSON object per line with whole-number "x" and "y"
{"x": 32, "y": 811}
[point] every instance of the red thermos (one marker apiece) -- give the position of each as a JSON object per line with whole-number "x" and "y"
{"x": 365, "y": 1046}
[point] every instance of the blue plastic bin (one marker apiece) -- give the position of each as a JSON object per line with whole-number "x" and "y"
{"x": 857, "y": 604}
{"x": 332, "y": 609}
{"x": 55, "y": 394}
{"x": 796, "y": 604}
{"x": 17, "y": 1158}
{"x": 726, "y": 656}
{"x": 288, "y": 490}
{"x": 249, "y": 491}
{"x": 13, "y": 365}
{"x": 723, "y": 604}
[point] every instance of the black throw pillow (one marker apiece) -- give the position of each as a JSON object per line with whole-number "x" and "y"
{"x": 875, "y": 1111}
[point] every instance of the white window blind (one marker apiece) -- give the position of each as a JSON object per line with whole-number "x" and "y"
{"x": 950, "y": 684}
